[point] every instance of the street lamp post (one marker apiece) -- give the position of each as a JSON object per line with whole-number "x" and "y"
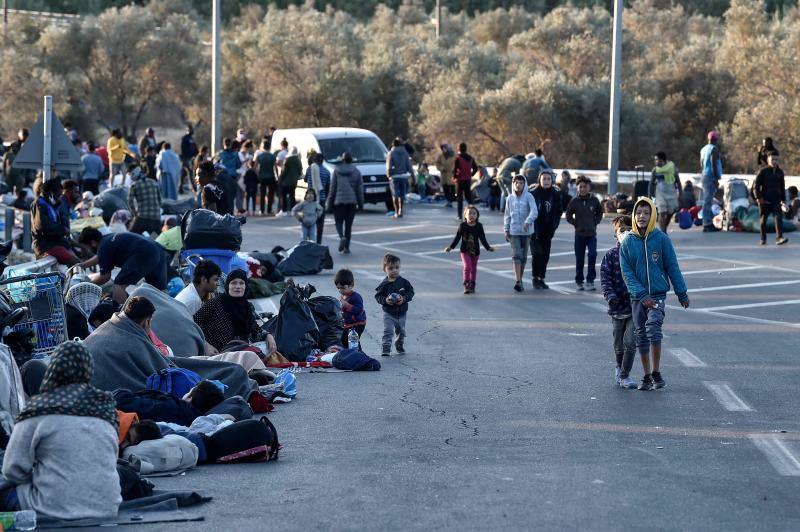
{"x": 616, "y": 96}
{"x": 438, "y": 18}
{"x": 216, "y": 99}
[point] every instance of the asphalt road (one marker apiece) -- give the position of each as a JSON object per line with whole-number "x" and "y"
{"x": 502, "y": 415}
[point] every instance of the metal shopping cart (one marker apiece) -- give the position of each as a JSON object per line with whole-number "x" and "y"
{"x": 40, "y": 294}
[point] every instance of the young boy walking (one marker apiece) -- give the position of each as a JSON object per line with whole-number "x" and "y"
{"x": 394, "y": 294}
{"x": 619, "y": 306}
{"x": 353, "y": 314}
{"x": 585, "y": 213}
{"x": 649, "y": 265}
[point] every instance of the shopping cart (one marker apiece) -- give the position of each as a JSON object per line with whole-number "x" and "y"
{"x": 40, "y": 294}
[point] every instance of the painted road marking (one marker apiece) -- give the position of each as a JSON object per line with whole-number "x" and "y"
{"x": 370, "y": 275}
{"x": 738, "y": 286}
{"x": 388, "y": 229}
{"x": 687, "y": 358}
{"x": 753, "y": 305}
{"x": 414, "y": 240}
{"x": 717, "y": 270}
{"x": 778, "y": 454}
{"x": 727, "y": 397}
{"x": 597, "y": 306}
{"x": 721, "y": 259}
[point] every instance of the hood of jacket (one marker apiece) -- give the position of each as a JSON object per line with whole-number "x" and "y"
{"x": 346, "y": 169}
{"x": 653, "y": 215}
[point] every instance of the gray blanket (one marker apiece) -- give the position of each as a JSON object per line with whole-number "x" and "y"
{"x": 173, "y": 324}
{"x": 124, "y": 357}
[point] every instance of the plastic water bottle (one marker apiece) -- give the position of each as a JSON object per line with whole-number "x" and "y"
{"x": 24, "y": 520}
{"x": 352, "y": 339}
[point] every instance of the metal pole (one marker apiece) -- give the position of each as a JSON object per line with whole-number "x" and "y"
{"x": 616, "y": 97}
{"x": 5, "y": 17}
{"x": 438, "y": 19}
{"x": 48, "y": 126}
{"x": 216, "y": 100}
{"x": 10, "y": 221}
{"x": 26, "y": 232}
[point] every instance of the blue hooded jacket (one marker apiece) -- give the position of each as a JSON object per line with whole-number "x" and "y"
{"x": 649, "y": 263}
{"x": 611, "y": 281}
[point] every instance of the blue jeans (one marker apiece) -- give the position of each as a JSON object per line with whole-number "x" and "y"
{"x": 519, "y": 247}
{"x": 647, "y": 324}
{"x": 709, "y": 191}
{"x": 309, "y": 232}
{"x": 582, "y": 243}
{"x": 399, "y": 186}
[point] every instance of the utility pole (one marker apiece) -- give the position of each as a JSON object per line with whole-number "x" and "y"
{"x": 438, "y": 19}
{"x": 46, "y": 142}
{"x": 5, "y": 17}
{"x": 216, "y": 99}
{"x": 616, "y": 97}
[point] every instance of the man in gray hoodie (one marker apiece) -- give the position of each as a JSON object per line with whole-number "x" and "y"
{"x": 346, "y": 194}
{"x": 399, "y": 170}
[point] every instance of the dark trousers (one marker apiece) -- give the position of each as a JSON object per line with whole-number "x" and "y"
{"x": 582, "y": 244}
{"x": 287, "y": 197}
{"x": 91, "y": 185}
{"x": 764, "y": 211}
{"x": 463, "y": 193}
{"x": 267, "y": 190}
{"x": 624, "y": 344}
{"x": 320, "y": 226}
{"x": 140, "y": 225}
{"x": 449, "y": 192}
{"x": 250, "y": 199}
{"x": 343, "y": 215}
{"x": 541, "y": 256}
{"x": 359, "y": 329}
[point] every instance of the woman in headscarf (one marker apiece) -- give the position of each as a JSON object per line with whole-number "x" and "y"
{"x": 230, "y": 316}
{"x": 63, "y": 451}
{"x": 81, "y": 300}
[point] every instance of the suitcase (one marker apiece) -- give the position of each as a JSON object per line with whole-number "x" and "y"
{"x": 641, "y": 188}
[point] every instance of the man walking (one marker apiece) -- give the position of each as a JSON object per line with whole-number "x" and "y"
{"x": 711, "y": 165}
{"x": 399, "y": 170}
{"x": 770, "y": 192}
{"x": 188, "y": 152}
{"x": 465, "y": 168}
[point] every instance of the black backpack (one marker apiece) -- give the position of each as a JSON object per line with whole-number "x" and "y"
{"x": 251, "y": 440}
{"x": 132, "y": 485}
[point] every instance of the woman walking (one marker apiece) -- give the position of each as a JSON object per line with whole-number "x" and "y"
{"x": 346, "y": 194}
{"x": 445, "y": 163}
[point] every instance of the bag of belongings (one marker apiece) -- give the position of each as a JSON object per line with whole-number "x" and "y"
{"x": 202, "y": 228}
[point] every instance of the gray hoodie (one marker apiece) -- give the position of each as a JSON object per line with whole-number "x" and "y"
{"x": 307, "y": 212}
{"x": 347, "y": 187}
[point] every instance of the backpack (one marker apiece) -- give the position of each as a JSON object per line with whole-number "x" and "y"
{"x": 685, "y": 219}
{"x": 250, "y": 440}
{"x": 132, "y": 485}
{"x": 169, "y": 454}
{"x": 175, "y": 381}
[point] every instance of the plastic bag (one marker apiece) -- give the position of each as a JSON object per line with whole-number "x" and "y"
{"x": 294, "y": 328}
{"x": 327, "y": 313}
{"x": 306, "y": 258}
{"x": 202, "y": 228}
{"x": 289, "y": 381}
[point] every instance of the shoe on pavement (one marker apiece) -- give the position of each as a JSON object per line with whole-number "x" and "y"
{"x": 616, "y": 376}
{"x": 536, "y": 284}
{"x": 646, "y": 384}
{"x": 710, "y": 229}
{"x": 543, "y": 285}
{"x": 579, "y": 287}
{"x": 518, "y": 287}
{"x": 627, "y": 383}
{"x": 762, "y": 243}
{"x": 590, "y": 286}
{"x": 398, "y": 345}
{"x": 658, "y": 380}
{"x": 781, "y": 241}
{"x": 385, "y": 354}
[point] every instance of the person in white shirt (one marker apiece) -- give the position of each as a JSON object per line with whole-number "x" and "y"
{"x": 203, "y": 286}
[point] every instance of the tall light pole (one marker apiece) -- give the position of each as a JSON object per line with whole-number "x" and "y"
{"x": 216, "y": 99}
{"x": 616, "y": 97}
{"x": 438, "y": 19}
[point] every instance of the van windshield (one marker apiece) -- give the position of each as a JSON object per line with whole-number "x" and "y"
{"x": 363, "y": 149}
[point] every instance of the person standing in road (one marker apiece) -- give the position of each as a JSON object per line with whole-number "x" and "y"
{"x": 92, "y": 170}
{"x": 767, "y": 147}
{"x": 445, "y": 163}
{"x": 346, "y": 195}
{"x": 319, "y": 178}
{"x": 518, "y": 225}
{"x": 463, "y": 170}
{"x": 565, "y": 189}
{"x": 548, "y": 205}
{"x": 145, "y": 204}
{"x": 291, "y": 172}
{"x": 711, "y": 164}
{"x": 770, "y": 192}
{"x": 471, "y": 235}
{"x": 267, "y": 184}
{"x": 117, "y": 148}
{"x": 665, "y": 186}
{"x": 585, "y": 213}
{"x": 168, "y": 165}
{"x": 188, "y": 152}
{"x": 148, "y": 139}
{"x": 399, "y": 170}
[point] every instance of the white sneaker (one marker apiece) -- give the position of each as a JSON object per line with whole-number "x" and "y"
{"x": 616, "y": 376}
{"x": 590, "y": 287}
{"x": 628, "y": 383}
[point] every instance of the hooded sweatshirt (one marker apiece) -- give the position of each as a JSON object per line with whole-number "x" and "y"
{"x": 648, "y": 261}
{"x": 548, "y": 203}
{"x": 347, "y": 187}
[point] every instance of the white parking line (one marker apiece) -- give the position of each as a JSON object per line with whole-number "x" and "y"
{"x": 717, "y": 270}
{"x": 753, "y": 305}
{"x": 726, "y": 397}
{"x": 738, "y": 286}
{"x": 597, "y": 306}
{"x": 778, "y": 454}
{"x": 687, "y": 358}
{"x": 720, "y": 259}
{"x": 413, "y": 240}
{"x": 370, "y": 275}
{"x": 388, "y": 229}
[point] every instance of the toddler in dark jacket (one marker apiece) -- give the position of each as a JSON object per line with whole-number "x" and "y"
{"x": 394, "y": 294}
{"x": 619, "y": 306}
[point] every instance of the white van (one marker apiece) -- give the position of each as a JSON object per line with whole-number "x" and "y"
{"x": 368, "y": 151}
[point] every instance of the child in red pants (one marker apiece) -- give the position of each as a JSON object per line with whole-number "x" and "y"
{"x": 470, "y": 233}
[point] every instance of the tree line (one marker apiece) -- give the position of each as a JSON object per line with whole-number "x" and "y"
{"x": 505, "y": 81}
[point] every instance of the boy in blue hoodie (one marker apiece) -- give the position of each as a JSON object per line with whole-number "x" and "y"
{"x": 649, "y": 265}
{"x": 619, "y": 306}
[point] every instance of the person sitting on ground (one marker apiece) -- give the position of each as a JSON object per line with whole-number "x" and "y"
{"x": 230, "y": 316}
{"x": 79, "y": 303}
{"x": 203, "y": 286}
{"x": 136, "y": 256}
{"x": 49, "y": 228}
{"x": 158, "y": 406}
{"x": 62, "y": 455}
{"x": 793, "y": 206}
{"x": 687, "y": 196}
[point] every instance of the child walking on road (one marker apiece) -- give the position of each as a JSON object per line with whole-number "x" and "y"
{"x": 649, "y": 265}
{"x": 394, "y": 294}
{"x": 518, "y": 226}
{"x": 471, "y": 234}
{"x": 619, "y": 306}
{"x": 353, "y": 314}
{"x": 585, "y": 213}
{"x": 307, "y": 212}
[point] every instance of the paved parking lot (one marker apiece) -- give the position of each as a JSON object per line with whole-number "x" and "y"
{"x": 503, "y": 415}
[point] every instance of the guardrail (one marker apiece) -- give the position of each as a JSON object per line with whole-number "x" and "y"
{"x": 627, "y": 177}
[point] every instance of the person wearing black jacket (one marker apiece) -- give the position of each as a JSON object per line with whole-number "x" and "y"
{"x": 548, "y": 202}
{"x": 767, "y": 147}
{"x": 770, "y": 192}
{"x": 49, "y": 227}
{"x": 393, "y": 294}
{"x": 471, "y": 234}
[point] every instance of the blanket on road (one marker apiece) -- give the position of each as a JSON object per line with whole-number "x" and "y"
{"x": 173, "y": 324}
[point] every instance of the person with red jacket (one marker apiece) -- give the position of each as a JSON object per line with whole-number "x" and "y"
{"x": 464, "y": 168}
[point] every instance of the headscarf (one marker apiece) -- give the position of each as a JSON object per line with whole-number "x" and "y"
{"x": 65, "y": 388}
{"x": 84, "y": 297}
{"x": 653, "y": 217}
{"x": 237, "y": 308}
